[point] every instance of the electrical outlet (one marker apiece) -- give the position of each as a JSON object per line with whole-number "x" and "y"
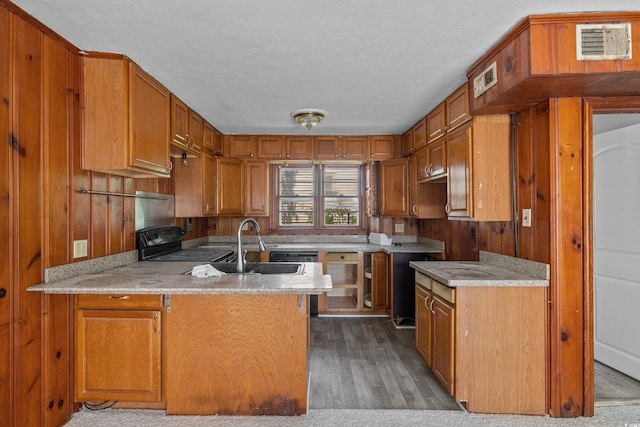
{"x": 526, "y": 217}
{"x": 245, "y": 227}
{"x": 80, "y": 248}
{"x": 399, "y": 228}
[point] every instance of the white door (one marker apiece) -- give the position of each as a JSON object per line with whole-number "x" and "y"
{"x": 616, "y": 254}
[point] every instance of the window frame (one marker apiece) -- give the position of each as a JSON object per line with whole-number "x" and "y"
{"x": 318, "y": 196}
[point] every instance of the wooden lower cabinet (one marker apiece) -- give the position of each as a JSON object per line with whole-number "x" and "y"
{"x": 118, "y": 348}
{"x": 442, "y": 342}
{"x": 231, "y": 355}
{"x": 485, "y": 344}
{"x": 423, "y": 317}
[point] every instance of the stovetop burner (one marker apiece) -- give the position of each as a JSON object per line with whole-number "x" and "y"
{"x": 163, "y": 243}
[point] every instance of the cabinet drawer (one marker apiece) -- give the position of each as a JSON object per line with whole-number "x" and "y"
{"x": 423, "y": 280}
{"x": 342, "y": 256}
{"x": 118, "y": 301}
{"x": 444, "y": 292}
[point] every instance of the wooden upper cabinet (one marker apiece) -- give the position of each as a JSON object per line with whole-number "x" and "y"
{"x": 270, "y": 147}
{"x": 394, "y": 187}
{"x": 341, "y": 147}
{"x": 195, "y": 186}
{"x": 196, "y": 130}
{"x": 458, "y": 108}
{"x": 241, "y": 146}
{"x": 326, "y": 147}
{"x": 422, "y": 164}
{"x": 382, "y": 147}
{"x": 355, "y": 147}
{"x": 459, "y": 174}
{"x": 437, "y": 159}
{"x": 257, "y": 188}
{"x": 449, "y": 114}
{"x": 126, "y": 118}
{"x": 231, "y": 187}
{"x": 212, "y": 139}
{"x": 420, "y": 134}
{"x": 406, "y": 143}
{"x": 299, "y": 147}
{"x": 478, "y": 170}
{"x": 436, "y": 122}
{"x": 187, "y": 127}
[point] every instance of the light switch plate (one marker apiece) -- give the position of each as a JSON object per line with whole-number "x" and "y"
{"x": 80, "y": 248}
{"x": 526, "y": 217}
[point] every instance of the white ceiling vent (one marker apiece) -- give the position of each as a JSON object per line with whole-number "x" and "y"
{"x": 485, "y": 80}
{"x": 603, "y": 41}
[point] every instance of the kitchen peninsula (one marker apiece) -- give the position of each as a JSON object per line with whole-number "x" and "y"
{"x": 236, "y": 344}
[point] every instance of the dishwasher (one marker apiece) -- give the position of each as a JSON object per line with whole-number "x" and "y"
{"x": 304, "y": 256}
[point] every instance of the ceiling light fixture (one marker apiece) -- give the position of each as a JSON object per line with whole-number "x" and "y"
{"x": 308, "y": 117}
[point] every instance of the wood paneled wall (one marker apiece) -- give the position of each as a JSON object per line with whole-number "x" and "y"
{"x": 464, "y": 239}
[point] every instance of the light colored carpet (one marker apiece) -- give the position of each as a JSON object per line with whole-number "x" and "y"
{"x": 610, "y": 416}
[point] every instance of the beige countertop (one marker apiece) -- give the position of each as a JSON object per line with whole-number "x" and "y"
{"x": 492, "y": 270}
{"x": 167, "y": 278}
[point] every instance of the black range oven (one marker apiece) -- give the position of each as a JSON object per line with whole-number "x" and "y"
{"x": 163, "y": 243}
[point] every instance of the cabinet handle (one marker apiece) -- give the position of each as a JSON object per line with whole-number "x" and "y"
{"x": 447, "y": 208}
{"x": 206, "y": 207}
{"x": 188, "y": 137}
{"x": 430, "y": 169}
{"x": 431, "y": 307}
{"x": 425, "y": 303}
{"x": 119, "y": 297}
{"x": 414, "y": 210}
{"x": 426, "y": 170}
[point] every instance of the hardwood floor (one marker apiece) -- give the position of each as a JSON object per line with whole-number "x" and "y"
{"x": 366, "y": 363}
{"x": 612, "y": 385}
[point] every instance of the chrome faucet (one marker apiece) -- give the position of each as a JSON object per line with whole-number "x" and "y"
{"x": 241, "y": 254}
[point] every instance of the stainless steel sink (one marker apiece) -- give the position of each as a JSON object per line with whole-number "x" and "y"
{"x": 260, "y": 267}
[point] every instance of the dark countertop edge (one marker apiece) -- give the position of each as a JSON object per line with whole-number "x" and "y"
{"x": 422, "y": 266}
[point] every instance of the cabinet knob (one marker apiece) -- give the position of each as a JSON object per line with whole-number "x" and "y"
{"x": 288, "y": 155}
{"x": 373, "y": 154}
{"x": 250, "y": 154}
{"x": 3, "y": 292}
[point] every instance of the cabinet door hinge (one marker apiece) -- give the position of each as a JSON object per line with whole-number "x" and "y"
{"x": 167, "y": 303}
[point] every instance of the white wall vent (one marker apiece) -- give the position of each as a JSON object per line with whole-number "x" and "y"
{"x": 485, "y": 80}
{"x": 603, "y": 41}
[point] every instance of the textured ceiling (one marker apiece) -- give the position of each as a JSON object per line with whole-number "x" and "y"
{"x": 376, "y": 66}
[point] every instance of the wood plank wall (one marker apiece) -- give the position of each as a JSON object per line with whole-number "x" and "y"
{"x": 464, "y": 239}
